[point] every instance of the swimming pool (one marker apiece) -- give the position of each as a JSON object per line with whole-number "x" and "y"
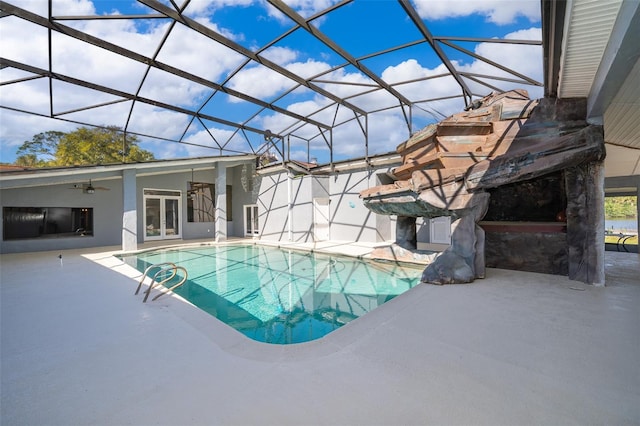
{"x": 281, "y": 296}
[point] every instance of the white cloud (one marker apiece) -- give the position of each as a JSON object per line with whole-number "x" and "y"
{"x": 386, "y": 131}
{"x": 203, "y": 7}
{"x": 19, "y": 127}
{"x": 280, "y": 55}
{"x": 263, "y": 83}
{"x": 427, "y": 89}
{"x": 149, "y": 120}
{"x": 346, "y": 83}
{"x": 24, "y": 42}
{"x": 231, "y": 142}
{"x": 189, "y": 50}
{"x": 524, "y": 59}
{"x": 60, "y": 7}
{"x": 259, "y": 82}
{"x": 173, "y": 90}
{"x": 307, "y": 69}
{"x": 163, "y": 150}
{"x": 306, "y": 8}
{"x": 499, "y": 12}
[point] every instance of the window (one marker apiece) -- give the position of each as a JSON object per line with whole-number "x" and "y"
{"x": 229, "y": 204}
{"x": 46, "y": 222}
{"x": 621, "y": 222}
{"x": 200, "y": 202}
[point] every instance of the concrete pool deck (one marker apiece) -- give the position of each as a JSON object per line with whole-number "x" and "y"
{"x": 77, "y": 347}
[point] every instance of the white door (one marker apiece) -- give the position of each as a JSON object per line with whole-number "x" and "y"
{"x": 162, "y": 215}
{"x": 251, "y": 228}
{"x": 321, "y": 219}
{"x": 440, "y": 228}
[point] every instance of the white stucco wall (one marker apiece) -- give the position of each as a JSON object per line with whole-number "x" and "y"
{"x": 277, "y": 221}
{"x": 272, "y": 207}
{"x": 349, "y": 219}
{"x": 241, "y": 197}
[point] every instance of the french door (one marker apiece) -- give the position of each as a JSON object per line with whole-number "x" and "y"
{"x": 161, "y": 214}
{"x": 251, "y": 220}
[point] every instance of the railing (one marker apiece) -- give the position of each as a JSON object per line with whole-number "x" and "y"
{"x": 163, "y": 269}
{"x": 622, "y": 241}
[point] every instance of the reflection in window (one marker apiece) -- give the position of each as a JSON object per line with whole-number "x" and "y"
{"x": 46, "y": 222}
{"x": 200, "y": 202}
{"x": 621, "y": 222}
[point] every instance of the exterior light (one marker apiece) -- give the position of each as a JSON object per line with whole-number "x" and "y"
{"x": 90, "y": 189}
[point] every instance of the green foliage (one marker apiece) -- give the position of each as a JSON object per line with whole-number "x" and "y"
{"x": 40, "y": 150}
{"x": 83, "y": 146}
{"x": 620, "y": 207}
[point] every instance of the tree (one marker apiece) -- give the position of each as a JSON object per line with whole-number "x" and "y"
{"x": 40, "y": 150}
{"x": 620, "y": 207}
{"x": 29, "y": 160}
{"x": 83, "y": 146}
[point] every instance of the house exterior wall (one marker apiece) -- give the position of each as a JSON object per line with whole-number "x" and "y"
{"x": 277, "y": 190}
{"x": 285, "y": 206}
{"x": 108, "y": 208}
{"x": 178, "y": 182}
{"x": 245, "y": 191}
{"x": 349, "y": 219}
{"x": 107, "y": 214}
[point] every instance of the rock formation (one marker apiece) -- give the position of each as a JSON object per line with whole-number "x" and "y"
{"x": 448, "y": 167}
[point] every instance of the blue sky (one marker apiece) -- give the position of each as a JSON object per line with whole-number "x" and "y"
{"x": 362, "y": 27}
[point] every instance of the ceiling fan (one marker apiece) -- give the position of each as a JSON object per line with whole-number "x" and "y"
{"x": 88, "y": 188}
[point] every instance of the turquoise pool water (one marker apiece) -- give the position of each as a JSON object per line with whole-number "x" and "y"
{"x": 281, "y": 296}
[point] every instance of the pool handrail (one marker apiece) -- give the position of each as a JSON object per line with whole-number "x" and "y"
{"x": 162, "y": 268}
{"x": 149, "y": 268}
{"x": 174, "y": 271}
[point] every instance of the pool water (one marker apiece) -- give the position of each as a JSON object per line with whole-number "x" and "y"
{"x": 281, "y": 296}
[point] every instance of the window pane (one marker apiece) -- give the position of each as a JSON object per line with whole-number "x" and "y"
{"x": 162, "y": 192}
{"x": 255, "y": 219}
{"x": 621, "y": 221}
{"x": 200, "y": 202}
{"x": 153, "y": 217}
{"x": 46, "y": 222}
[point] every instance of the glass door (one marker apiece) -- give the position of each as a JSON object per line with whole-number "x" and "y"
{"x": 152, "y": 228}
{"x": 162, "y": 215}
{"x": 171, "y": 223}
{"x": 251, "y": 220}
